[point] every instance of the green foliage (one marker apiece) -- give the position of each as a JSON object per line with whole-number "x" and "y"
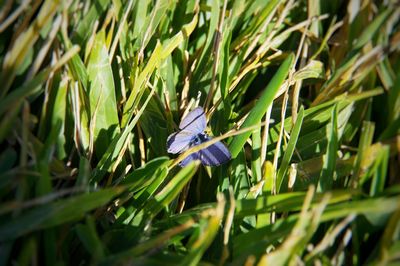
{"x": 306, "y": 94}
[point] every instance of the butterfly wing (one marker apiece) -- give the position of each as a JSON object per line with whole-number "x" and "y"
{"x": 191, "y": 126}
{"x": 215, "y": 154}
{"x": 194, "y": 122}
{"x": 179, "y": 141}
{"x": 191, "y": 157}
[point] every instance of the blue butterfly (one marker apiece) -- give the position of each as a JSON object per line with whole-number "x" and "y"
{"x": 190, "y": 134}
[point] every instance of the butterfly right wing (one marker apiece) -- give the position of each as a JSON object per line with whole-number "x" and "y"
{"x": 215, "y": 154}
{"x": 179, "y": 141}
{"x": 194, "y": 122}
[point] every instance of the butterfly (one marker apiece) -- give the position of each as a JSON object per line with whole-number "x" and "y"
{"x": 190, "y": 134}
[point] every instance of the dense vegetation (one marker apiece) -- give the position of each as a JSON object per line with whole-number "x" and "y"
{"x": 305, "y": 94}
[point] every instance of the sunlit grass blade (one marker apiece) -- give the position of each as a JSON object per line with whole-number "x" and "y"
{"x": 23, "y": 44}
{"x": 367, "y": 133}
{"x": 104, "y": 123}
{"x": 289, "y": 150}
{"x": 261, "y": 107}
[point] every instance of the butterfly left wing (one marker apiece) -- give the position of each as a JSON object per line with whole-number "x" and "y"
{"x": 179, "y": 141}
{"x": 215, "y": 154}
{"x": 194, "y": 122}
{"x": 189, "y": 158}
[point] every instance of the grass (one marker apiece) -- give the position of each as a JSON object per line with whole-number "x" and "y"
{"x": 306, "y": 95}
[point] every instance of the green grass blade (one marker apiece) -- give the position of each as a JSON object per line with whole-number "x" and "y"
{"x": 88, "y": 235}
{"x": 294, "y": 135}
{"x": 104, "y": 120}
{"x": 85, "y": 27}
{"x": 168, "y": 193}
{"x": 379, "y": 178}
{"x": 328, "y": 170}
{"x": 367, "y": 133}
{"x": 262, "y": 104}
{"x": 24, "y": 43}
{"x": 372, "y": 29}
{"x": 56, "y": 213}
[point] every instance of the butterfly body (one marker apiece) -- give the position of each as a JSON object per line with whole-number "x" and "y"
{"x": 190, "y": 134}
{"x": 198, "y": 139}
